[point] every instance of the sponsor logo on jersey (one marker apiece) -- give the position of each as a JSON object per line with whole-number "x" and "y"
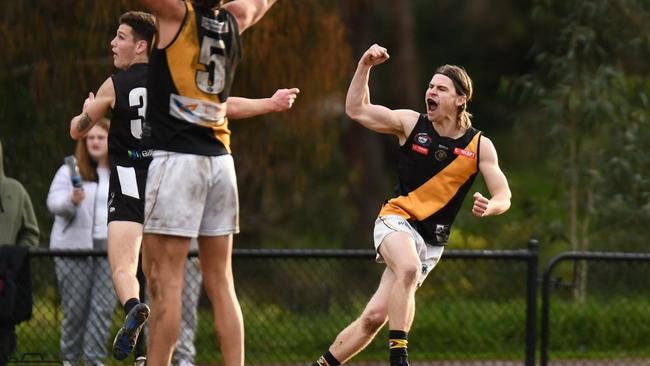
{"x": 420, "y": 149}
{"x": 139, "y": 154}
{"x": 199, "y": 112}
{"x": 214, "y": 25}
{"x": 466, "y": 153}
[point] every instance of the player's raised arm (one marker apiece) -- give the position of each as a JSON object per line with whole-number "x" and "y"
{"x": 372, "y": 116}
{"x": 248, "y": 12}
{"x": 282, "y": 100}
{"x": 496, "y": 182}
{"x": 165, "y": 9}
{"x": 94, "y": 108}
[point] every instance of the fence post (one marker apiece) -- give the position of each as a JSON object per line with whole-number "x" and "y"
{"x": 531, "y": 302}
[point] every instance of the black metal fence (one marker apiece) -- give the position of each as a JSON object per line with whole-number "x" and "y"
{"x": 600, "y": 313}
{"x": 474, "y": 306}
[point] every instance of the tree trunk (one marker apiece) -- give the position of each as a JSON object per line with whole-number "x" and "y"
{"x": 406, "y": 91}
{"x": 362, "y": 147}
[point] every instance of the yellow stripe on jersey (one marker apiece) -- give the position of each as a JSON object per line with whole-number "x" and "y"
{"x": 436, "y": 193}
{"x": 183, "y": 62}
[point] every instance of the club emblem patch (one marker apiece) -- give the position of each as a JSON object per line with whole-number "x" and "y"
{"x": 421, "y": 143}
{"x": 423, "y": 139}
{"x": 440, "y": 155}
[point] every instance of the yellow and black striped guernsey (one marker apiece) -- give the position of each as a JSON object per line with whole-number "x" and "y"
{"x": 188, "y": 83}
{"x": 435, "y": 173}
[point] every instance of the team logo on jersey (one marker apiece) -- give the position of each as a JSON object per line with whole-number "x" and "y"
{"x": 423, "y": 139}
{"x": 421, "y": 143}
{"x": 466, "y": 153}
{"x": 440, "y": 154}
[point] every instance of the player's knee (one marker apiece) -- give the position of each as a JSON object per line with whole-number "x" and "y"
{"x": 409, "y": 274}
{"x": 373, "y": 319}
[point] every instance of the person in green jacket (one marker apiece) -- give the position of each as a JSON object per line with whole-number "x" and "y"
{"x": 17, "y": 219}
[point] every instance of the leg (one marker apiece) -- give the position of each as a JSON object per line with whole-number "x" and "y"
{"x": 74, "y": 288}
{"x": 216, "y": 263}
{"x": 102, "y": 307}
{"x": 163, "y": 264}
{"x": 124, "y": 239}
{"x": 185, "y": 349}
{"x": 356, "y": 336}
{"x": 398, "y": 250}
{"x": 140, "y": 351}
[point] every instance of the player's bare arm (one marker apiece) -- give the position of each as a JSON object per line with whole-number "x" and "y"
{"x": 496, "y": 183}
{"x": 95, "y": 107}
{"x": 399, "y": 122}
{"x": 169, "y": 16}
{"x": 248, "y": 12}
{"x": 281, "y": 100}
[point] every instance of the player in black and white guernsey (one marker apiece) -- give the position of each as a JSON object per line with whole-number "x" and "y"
{"x": 129, "y": 161}
{"x": 191, "y": 186}
{"x": 125, "y": 94}
{"x": 439, "y": 157}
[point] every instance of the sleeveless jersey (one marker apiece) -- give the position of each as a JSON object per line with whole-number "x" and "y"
{"x": 124, "y": 142}
{"x": 189, "y": 83}
{"x": 435, "y": 173}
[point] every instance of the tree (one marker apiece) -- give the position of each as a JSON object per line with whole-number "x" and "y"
{"x": 588, "y": 73}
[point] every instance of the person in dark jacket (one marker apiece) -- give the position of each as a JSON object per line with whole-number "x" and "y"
{"x": 17, "y": 220}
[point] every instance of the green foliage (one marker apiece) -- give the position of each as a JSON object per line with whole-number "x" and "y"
{"x": 591, "y": 92}
{"x": 599, "y": 329}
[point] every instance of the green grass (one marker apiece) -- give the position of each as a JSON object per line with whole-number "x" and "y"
{"x": 451, "y": 329}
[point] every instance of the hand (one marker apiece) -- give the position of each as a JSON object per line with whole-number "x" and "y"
{"x": 480, "y": 205}
{"x": 375, "y": 55}
{"x": 78, "y": 195}
{"x": 88, "y": 100}
{"x": 283, "y": 99}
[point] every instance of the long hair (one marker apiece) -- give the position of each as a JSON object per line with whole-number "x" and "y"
{"x": 87, "y": 166}
{"x": 463, "y": 86}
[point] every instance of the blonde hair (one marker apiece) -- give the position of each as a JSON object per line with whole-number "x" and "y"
{"x": 87, "y": 167}
{"x": 463, "y": 85}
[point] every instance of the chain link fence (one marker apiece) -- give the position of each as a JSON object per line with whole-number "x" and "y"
{"x": 596, "y": 310}
{"x": 471, "y": 307}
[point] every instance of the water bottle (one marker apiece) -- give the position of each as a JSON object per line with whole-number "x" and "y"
{"x": 71, "y": 162}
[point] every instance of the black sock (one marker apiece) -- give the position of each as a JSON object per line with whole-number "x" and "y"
{"x": 327, "y": 359}
{"x": 129, "y": 304}
{"x": 397, "y": 343}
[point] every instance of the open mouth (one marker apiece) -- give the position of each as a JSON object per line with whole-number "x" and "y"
{"x": 431, "y": 105}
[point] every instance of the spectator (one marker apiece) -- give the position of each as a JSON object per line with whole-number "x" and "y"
{"x": 17, "y": 220}
{"x": 80, "y": 222}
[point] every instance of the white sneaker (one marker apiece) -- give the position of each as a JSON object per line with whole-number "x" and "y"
{"x": 140, "y": 361}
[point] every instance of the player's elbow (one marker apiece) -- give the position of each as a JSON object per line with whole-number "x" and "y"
{"x": 354, "y": 110}
{"x": 74, "y": 133}
{"x": 504, "y": 202}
